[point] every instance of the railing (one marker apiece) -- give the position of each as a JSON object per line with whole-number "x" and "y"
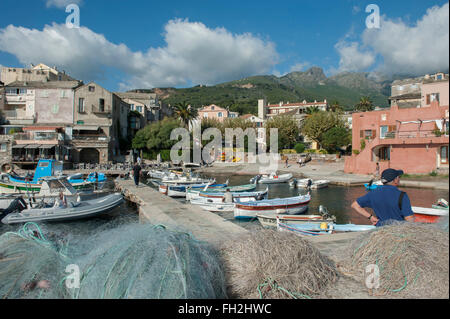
{"x": 102, "y": 110}
{"x": 86, "y": 137}
{"x": 38, "y": 136}
{"x": 10, "y": 113}
{"x": 413, "y": 134}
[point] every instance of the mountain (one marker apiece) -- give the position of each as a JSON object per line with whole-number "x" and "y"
{"x": 242, "y": 95}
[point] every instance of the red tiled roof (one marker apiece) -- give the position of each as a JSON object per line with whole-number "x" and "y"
{"x": 246, "y": 116}
{"x": 296, "y": 104}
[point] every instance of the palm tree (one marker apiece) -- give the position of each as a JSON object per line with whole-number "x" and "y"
{"x": 335, "y": 106}
{"x": 185, "y": 112}
{"x": 364, "y": 104}
{"x": 311, "y": 110}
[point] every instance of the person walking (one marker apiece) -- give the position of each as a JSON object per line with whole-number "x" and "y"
{"x": 136, "y": 173}
{"x": 227, "y": 197}
{"x": 387, "y": 201}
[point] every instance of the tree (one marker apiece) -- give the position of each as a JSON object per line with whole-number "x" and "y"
{"x": 185, "y": 113}
{"x": 319, "y": 123}
{"x": 288, "y": 131}
{"x": 335, "y": 106}
{"x": 335, "y": 138}
{"x": 311, "y": 110}
{"x": 364, "y": 105}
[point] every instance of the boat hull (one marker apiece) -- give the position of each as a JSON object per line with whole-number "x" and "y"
{"x": 90, "y": 209}
{"x": 288, "y": 206}
{"x": 280, "y": 179}
{"x": 267, "y": 220}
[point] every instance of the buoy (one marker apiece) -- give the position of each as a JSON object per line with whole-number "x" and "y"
{"x": 323, "y": 226}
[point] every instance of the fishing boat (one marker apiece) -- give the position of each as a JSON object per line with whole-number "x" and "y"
{"x": 271, "y": 179}
{"x": 195, "y": 193}
{"x": 12, "y": 183}
{"x": 314, "y": 229}
{"x": 428, "y": 215}
{"x": 242, "y": 196}
{"x": 212, "y": 206}
{"x": 290, "y": 205}
{"x": 22, "y": 211}
{"x": 180, "y": 190}
{"x": 187, "y": 180}
{"x": 308, "y": 182}
{"x": 270, "y": 220}
{"x": 440, "y": 204}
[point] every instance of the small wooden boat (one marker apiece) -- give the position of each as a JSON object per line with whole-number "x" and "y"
{"x": 314, "y": 229}
{"x": 322, "y": 183}
{"x": 195, "y": 193}
{"x": 428, "y": 215}
{"x": 307, "y": 182}
{"x": 187, "y": 180}
{"x": 180, "y": 190}
{"x": 269, "y": 220}
{"x": 214, "y": 206}
{"x": 241, "y": 196}
{"x": 291, "y": 206}
{"x": 271, "y": 179}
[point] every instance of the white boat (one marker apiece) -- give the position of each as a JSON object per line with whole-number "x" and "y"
{"x": 187, "y": 180}
{"x": 214, "y": 206}
{"x": 307, "y": 182}
{"x": 271, "y": 220}
{"x": 428, "y": 215}
{"x": 291, "y": 206}
{"x": 322, "y": 183}
{"x": 195, "y": 193}
{"x": 272, "y": 178}
{"x": 300, "y": 183}
{"x": 241, "y": 196}
{"x": 314, "y": 229}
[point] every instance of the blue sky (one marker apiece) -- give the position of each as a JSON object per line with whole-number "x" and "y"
{"x": 215, "y": 41}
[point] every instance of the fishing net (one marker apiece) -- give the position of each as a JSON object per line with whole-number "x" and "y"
{"x": 412, "y": 259}
{"x": 129, "y": 261}
{"x": 275, "y": 265}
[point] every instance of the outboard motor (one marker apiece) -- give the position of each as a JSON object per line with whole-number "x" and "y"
{"x": 16, "y": 206}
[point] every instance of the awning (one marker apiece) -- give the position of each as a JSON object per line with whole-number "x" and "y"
{"x": 32, "y": 146}
{"x": 16, "y": 147}
{"x": 86, "y": 128}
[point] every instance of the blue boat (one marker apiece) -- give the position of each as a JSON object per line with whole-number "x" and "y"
{"x": 372, "y": 186}
{"x": 12, "y": 183}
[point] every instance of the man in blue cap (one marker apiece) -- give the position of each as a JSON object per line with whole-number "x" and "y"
{"x": 387, "y": 201}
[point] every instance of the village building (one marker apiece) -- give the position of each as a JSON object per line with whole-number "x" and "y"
{"x": 266, "y": 111}
{"x": 36, "y": 73}
{"x": 216, "y": 112}
{"x": 414, "y": 139}
{"x": 100, "y": 124}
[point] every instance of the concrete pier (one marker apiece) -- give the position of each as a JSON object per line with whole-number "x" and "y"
{"x": 157, "y": 208}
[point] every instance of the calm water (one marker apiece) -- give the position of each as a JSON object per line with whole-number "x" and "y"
{"x": 337, "y": 199}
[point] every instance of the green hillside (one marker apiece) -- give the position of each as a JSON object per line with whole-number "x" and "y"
{"x": 242, "y": 95}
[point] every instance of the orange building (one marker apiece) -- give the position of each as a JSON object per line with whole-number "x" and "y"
{"x": 414, "y": 139}
{"x": 216, "y": 112}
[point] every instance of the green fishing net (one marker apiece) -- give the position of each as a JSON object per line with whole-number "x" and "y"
{"x": 128, "y": 261}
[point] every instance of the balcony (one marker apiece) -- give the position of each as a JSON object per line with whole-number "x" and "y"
{"x": 91, "y": 137}
{"x": 414, "y": 137}
{"x": 18, "y": 117}
{"x": 39, "y": 136}
{"x": 16, "y": 99}
{"x": 98, "y": 109}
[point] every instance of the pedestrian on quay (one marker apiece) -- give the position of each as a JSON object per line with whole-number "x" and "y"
{"x": 387, "y": 201}
{"x": 227, "y": 197}
{"x": 287, "y": 162}
{"x": 137, "y": 173}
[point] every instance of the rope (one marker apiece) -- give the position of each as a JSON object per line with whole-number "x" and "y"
{"x": 273, "y": 286}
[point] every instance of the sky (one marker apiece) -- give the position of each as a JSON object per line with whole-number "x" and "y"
{"x": 145, "y": 44}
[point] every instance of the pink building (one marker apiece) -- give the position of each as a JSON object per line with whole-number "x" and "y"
{"x": 216, "y": 112}
{"x": 415, "y": 139}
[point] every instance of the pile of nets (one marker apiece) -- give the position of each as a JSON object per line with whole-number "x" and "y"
{"x": 411, "y": 258}
{"x": 275, "y": 265}
{"x": 128, "y": 261}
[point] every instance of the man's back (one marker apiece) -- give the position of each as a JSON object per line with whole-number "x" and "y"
{"x": 385, "y": 203}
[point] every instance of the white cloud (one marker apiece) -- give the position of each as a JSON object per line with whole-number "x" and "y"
{"x": 301, "y": 66}
{"x": 193, "y": 54}
{"x": 417, "y": 49}
{"x": 352, "y": 58}
{"x": 61, "y": 4}
{"x": 404, "y": 49}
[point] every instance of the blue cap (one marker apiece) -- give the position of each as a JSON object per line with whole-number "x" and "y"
{"x": 390, "y": 174}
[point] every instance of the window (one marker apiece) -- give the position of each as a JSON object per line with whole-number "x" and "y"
{"x": 432, "y": 97}
{"x": 219, "y": 114}
{"x": 132, "y": 107}
{"x": 63, "y": 93}
{"x": 81, "y": 105}
{"x": 383, "y": 117}
{"x": 384, "y": 153}
{"x": 3, "y": 147}
{"x": 444, "y": 154}
{"x": 139, "y": 109}
{"x": 55, "y": 108}
{"x": 212, "y": 108}
{"x": 205, "y": 115}
{"x": 44, "y": 93}
{"x": 91, "y": 88}
{"x": 11, "y": 91}
{"x": 383, "y": 131}
{"x": 101, "y": 105}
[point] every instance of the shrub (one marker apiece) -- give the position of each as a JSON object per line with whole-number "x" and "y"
{"x": 299, "y": 148}
{"x": 310, "y": 151}
{"x": 433, "y": 173}
{"x": 356, "y": 152}
{"x": 363, "y": 145}
{"x": 323, "y": 152}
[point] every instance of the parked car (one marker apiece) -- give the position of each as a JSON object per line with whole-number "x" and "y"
{"x": 304, "y": 158}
